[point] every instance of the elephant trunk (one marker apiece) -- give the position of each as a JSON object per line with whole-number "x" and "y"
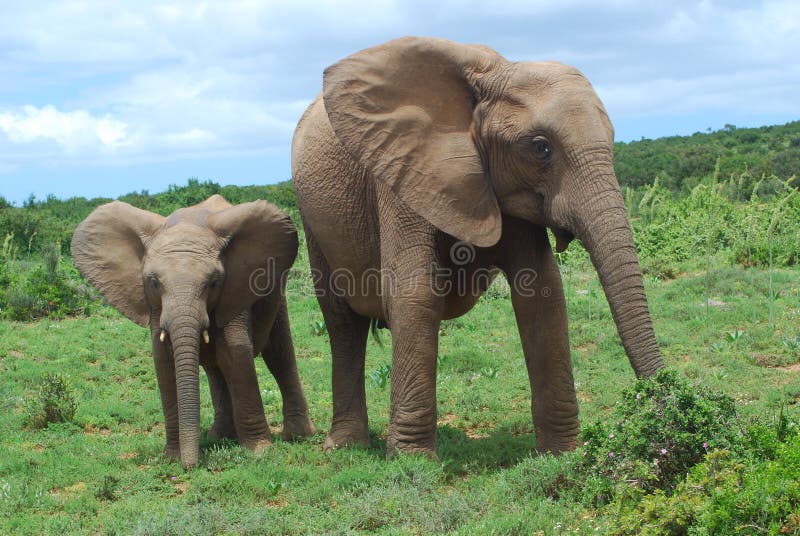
{"x": 185, "y": 337}
{"x": 599, "y": 220}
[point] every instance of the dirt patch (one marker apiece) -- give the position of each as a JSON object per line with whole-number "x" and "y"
{"x": 774, "y": 362}
{"x": 69, "y": 491}
{"x": 446, "y": 419}
{"x": 478, "y": 431}
{"x": 127, "y": 456}
{"x": 93, "y": 430}
{"x": 277, "y": 503}
{"x": 794, "y": 367}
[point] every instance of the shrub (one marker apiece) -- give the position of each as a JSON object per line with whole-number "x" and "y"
{"x": 20, "y": 305}
{"x": 724, "y": 495}
{"x": 662, "y": 427}
{"x": 107, "y": 490}
{"x": 52, "y": 289}
{"x": 660, "y": 267}
{"x": 55, "y": 401}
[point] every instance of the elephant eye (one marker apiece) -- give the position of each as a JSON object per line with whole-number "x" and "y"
{"x": 541, "y": 149}
{"x": 154, "y": 283}
{"x": 215, "y": 281}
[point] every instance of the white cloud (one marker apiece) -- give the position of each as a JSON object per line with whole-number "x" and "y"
{"x": 767, "y": 91}
{"x": 193, "y": 137}
{"x": 140, "y": 81}
{"x": 71, "y": 130}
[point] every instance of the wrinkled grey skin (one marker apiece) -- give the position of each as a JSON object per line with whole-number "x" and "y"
{"x": 420, "y": 143}
{"x": 189, "y": 278}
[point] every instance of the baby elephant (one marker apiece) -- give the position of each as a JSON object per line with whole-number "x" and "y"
{"x": 209, "y": 280}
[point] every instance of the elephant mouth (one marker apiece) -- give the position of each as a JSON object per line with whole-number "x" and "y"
{"x": 563, "y": 238}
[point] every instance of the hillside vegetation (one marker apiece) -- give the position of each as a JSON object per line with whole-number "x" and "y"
{"x": 749, "y": 160}
{"x": 681, "y": 162}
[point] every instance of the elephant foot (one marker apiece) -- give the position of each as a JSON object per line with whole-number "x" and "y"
{"x": 257, "y": 445}
{"x": 346, "y": 435}
{"x": 555, "y": 447}
{"x": 400, "y": 448}
{"x": 295, "y": 427}
{"x": 552, "y": 440}
{"x": 222, "y": 431}
{"x": 172, "y": 452}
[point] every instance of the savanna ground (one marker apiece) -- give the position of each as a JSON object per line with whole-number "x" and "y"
{"x": 104, "y": 472}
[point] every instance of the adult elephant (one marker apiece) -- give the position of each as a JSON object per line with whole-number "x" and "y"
{"x": 212, "y": 272}
{"x": 416, "y": 151}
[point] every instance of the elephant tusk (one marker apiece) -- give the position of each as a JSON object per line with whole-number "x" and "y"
{"x": 206, "y": 338}
{"x": 163, "y": 336}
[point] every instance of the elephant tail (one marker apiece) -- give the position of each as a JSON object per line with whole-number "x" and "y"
{"x": 374, "y": 325}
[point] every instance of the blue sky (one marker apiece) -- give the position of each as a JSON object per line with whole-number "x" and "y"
{"x": 103, "y": 98}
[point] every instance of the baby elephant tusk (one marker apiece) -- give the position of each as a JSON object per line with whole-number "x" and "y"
{"x": 163, "y": 336}
{"x": 206, "y": 338}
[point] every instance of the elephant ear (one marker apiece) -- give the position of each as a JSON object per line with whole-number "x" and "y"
{"x": 403, "y": 110}
{"x": 108, "y": 247}
{"x": 261, "y": 245}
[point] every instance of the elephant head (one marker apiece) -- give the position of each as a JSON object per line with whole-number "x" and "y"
{"x": 464, "y": 136}
{"x": 183, "y": 275}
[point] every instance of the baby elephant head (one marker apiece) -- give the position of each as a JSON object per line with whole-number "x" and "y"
{"x": 183, "y": 275}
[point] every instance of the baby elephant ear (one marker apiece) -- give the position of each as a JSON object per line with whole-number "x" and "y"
{"x": 108, "y": 247}
{"x": 403, "y": 110}
{"x": 261, "y": 245}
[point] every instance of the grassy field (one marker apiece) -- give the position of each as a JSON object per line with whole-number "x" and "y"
{"x": 104, "y": 473}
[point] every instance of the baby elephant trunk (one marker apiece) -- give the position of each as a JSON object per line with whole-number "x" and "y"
{"x": 185, "y": 333}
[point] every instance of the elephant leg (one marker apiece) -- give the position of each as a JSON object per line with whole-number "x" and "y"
{"x": 223, "y": 409}
{"x": 413, "y": 301}
{"x": 414, "y": 322}
{"x": 280, "y": 359}
{"x": 539, "y": 305}
{"x": 235, "y": 360}
{"x": 348, "y": 337}
{"x": 167, "y": 387}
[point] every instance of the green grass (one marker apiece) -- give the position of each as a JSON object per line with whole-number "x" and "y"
{"x": 104, "y": 473}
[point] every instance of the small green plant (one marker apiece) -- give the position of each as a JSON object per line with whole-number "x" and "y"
{"x": 380, "y": 376}
{"x": 274, "y": 487}
{"x": 270, "y": 396}
{"x": 54, "y": 402}
{"x": 717, "y": 347}
{"x": 318, "y": 328}
{"x": 9, "y": 251}
{"x": 734, "y": 336}
{"x": 107, "y": 490}
{"x": 792, "y": 345}
{"x": 489, "y": 373}
{"x": 51, "y": 255}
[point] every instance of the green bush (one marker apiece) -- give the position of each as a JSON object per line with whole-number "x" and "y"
{"x": 724, "y": 495}
{"x": 662, "y": 427}
{"x": 52, "y": 289}
{"x": 711, "y": 218}
{"x": 55, "y": 401}
{"x": 108, "y": 488}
